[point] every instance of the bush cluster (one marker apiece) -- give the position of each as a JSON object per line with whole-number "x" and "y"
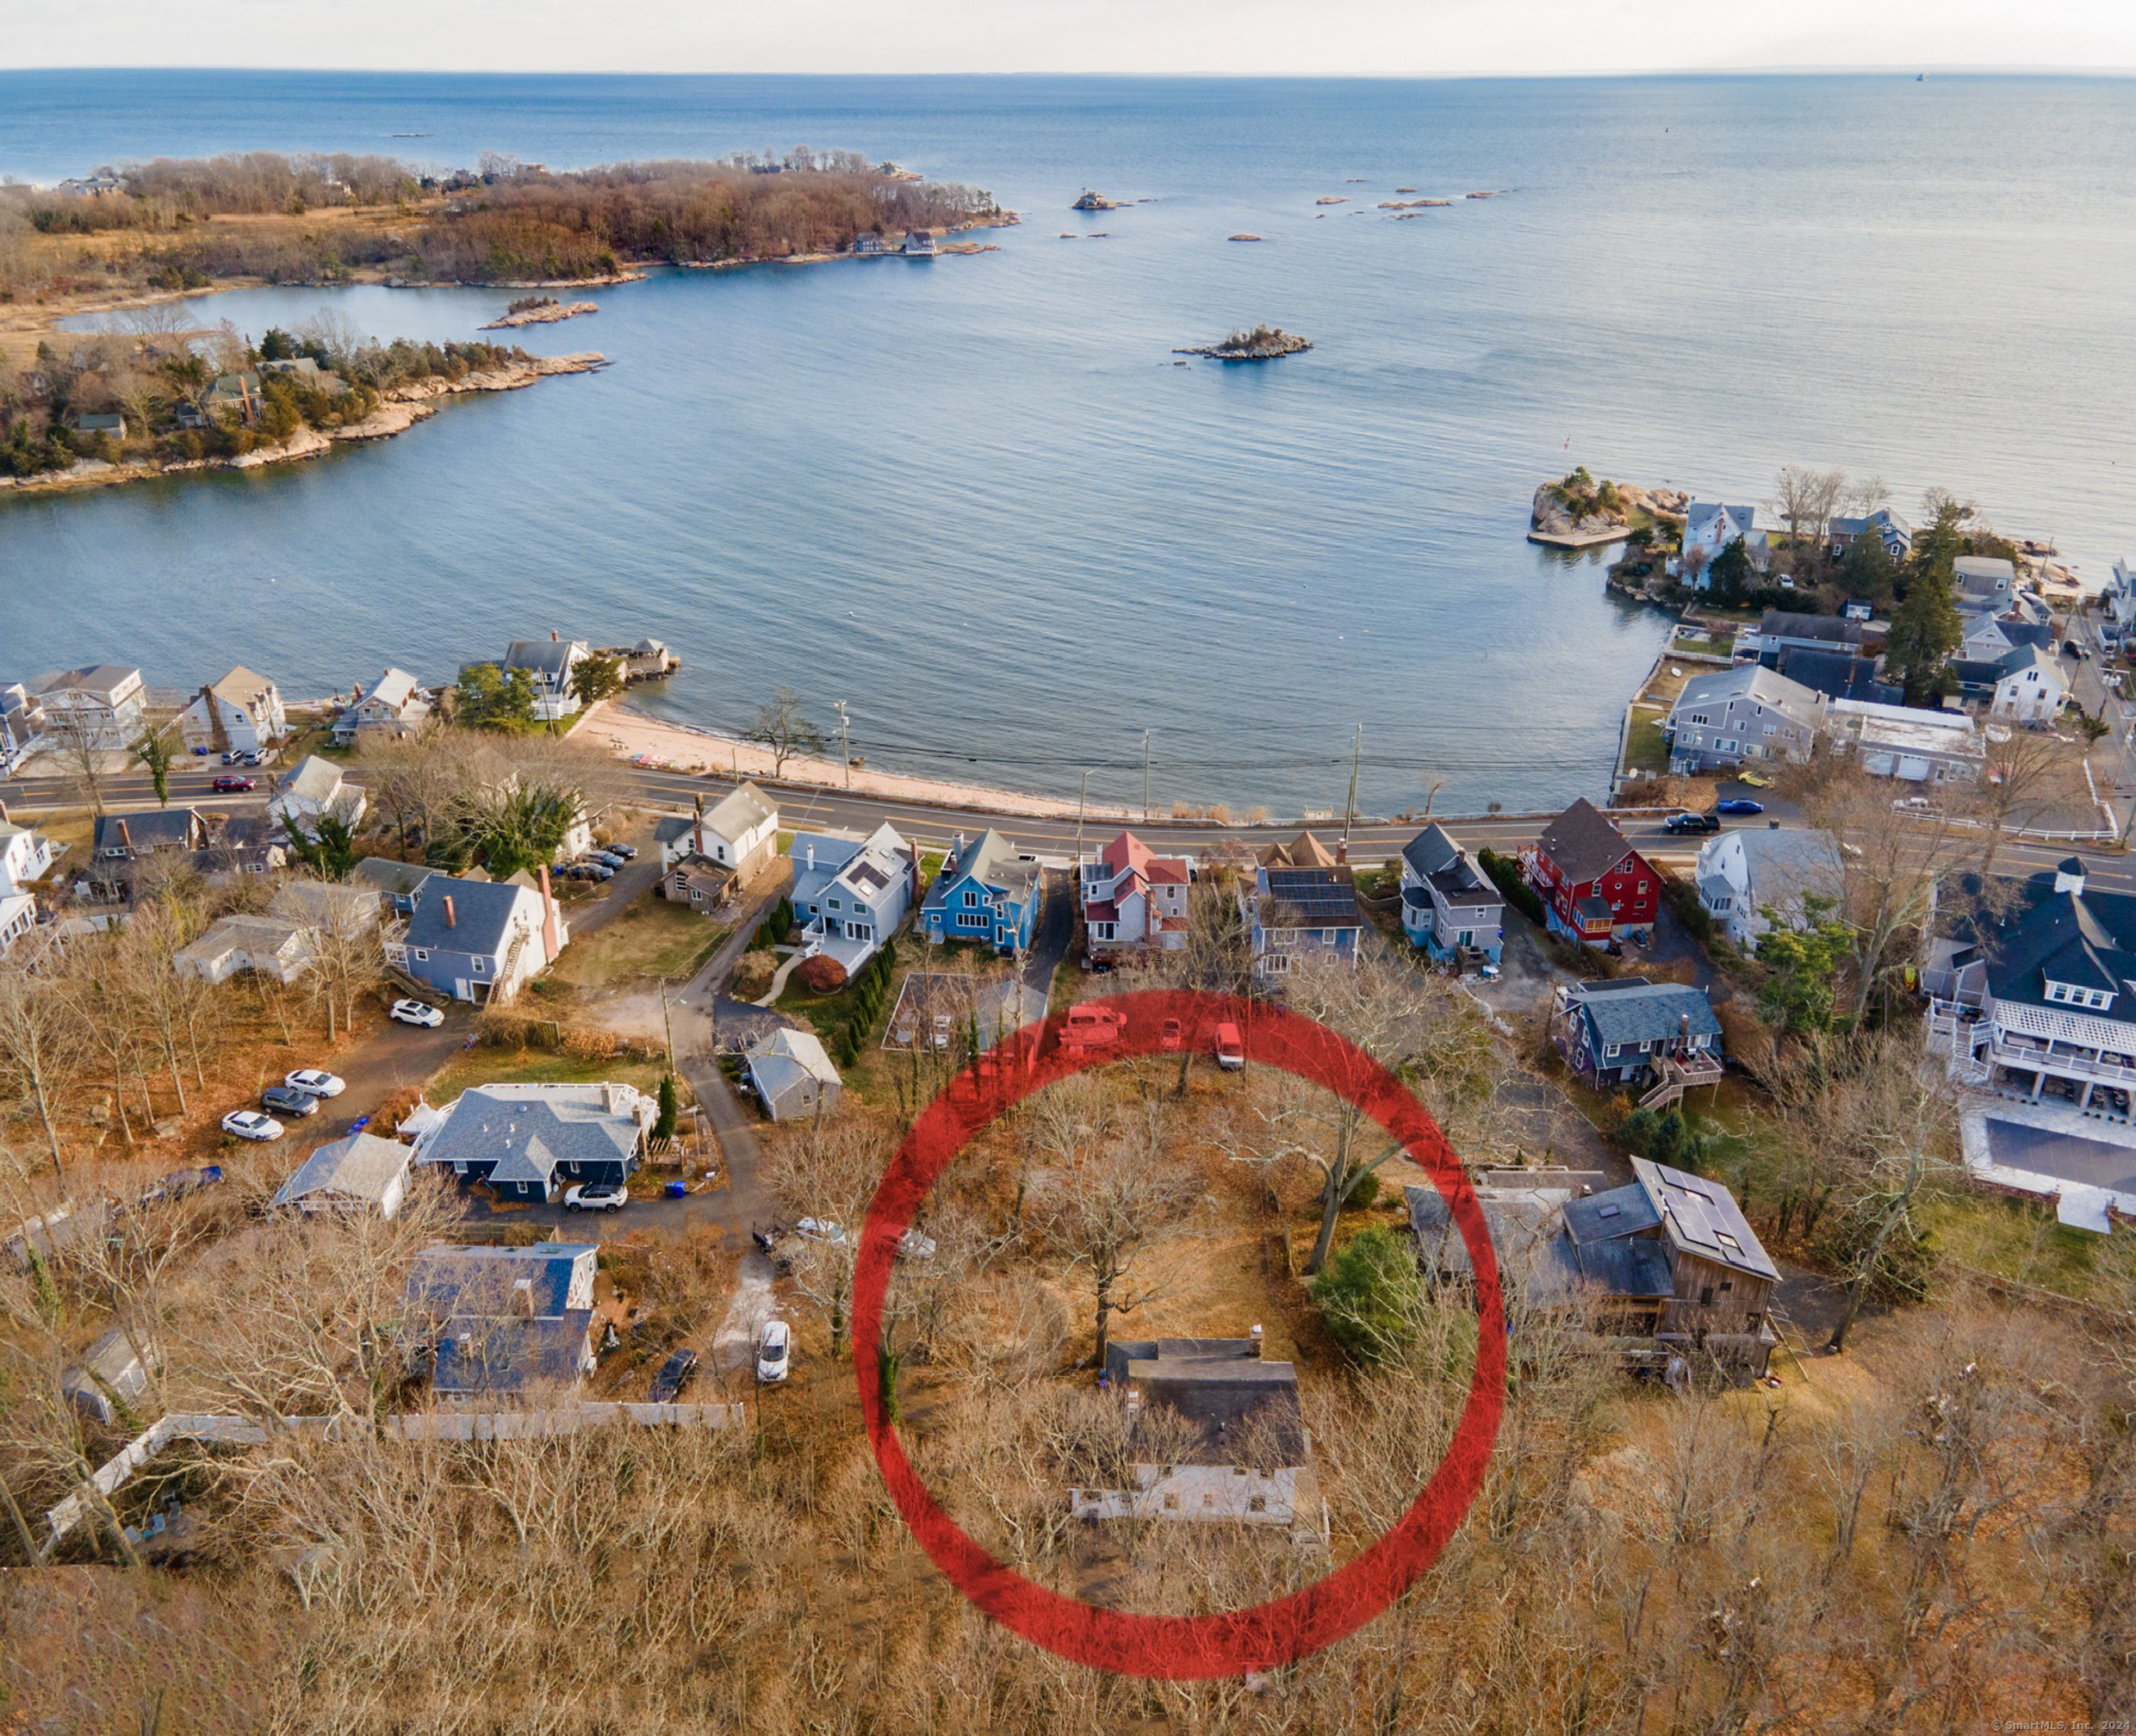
{"x": 864, "y": 1005}
{"x": 1504, "y": 874}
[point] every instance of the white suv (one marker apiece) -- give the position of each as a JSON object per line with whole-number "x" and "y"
{"x": 774, "y": 1352}
{"x": 596, "y": 1196}
{"x": 415, "y": 1013}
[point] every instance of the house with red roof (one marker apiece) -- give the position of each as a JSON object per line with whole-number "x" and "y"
{"x": 1594, "y": 886}
{"x": 1132, "y": 897}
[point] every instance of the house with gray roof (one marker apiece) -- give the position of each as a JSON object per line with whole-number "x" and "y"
{"x": 314, "y": 788}
{"x": 241, "y": 711}
{"x": 1837, "y": 674}
{"x": 1667, "y": 1265}
{"x": 530, "y": 1141}
{"x": 852, "y": 894}
{"x": 99, "y": 705}
{"x": 479, "y": 939}
{"x": 1843, "y": 531}
{"x": 547, "y": 663}
{"x": 1215, "y": 1433}
{"x": 736, "y": 838}
{"x": 1980, "y": 579}
{"x": 503, "y": 1320}
{"x": 397, "y": 883}
{"x": 1778, "y": 630}
{"x": 1711, "y": 526}
{"x": 1450, "y": 906}
{"x": 1749, "y": 880}
{"x": 791, "y": 1076}
{"x": 1624, "y": 1031}
{"x": 988, "y": 891}
{"x": 111, "y": 1383}
{"x": 359, "y": 1172}
{"x": 1746, "y": 714}
{"x": 396, "y": 705}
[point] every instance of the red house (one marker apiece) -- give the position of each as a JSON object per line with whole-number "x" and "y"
{"x": 1593, "y": 885}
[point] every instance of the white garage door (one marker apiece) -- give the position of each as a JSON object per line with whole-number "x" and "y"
{"x": 1877, "y": 764}
{"x": 1912, "y": 767}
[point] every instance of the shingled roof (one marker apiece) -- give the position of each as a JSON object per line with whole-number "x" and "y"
{"x": 1584, "y": 842}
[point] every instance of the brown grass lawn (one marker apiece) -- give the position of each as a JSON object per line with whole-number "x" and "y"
{"x": 651, "y": 940}
{"x": 484, "y": 1065}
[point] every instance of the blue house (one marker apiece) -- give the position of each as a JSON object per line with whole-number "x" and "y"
{"x": 987, "y": 892}
{"x": 1293, "y": 913}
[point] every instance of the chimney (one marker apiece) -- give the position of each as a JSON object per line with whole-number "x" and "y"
{"x": 552, "y": 636}
{"x": 697, "y": 839}
{"x": 1682, "y": 1030}
{"x": 2069, "y": 875}
{"x": 808, "y": 857}
{"x": 1255, "y": 1334}
{"x": 552, "y": 938}
{"x": 449, "y": 922}
{"x": 126, "y": 837}
{"x": 914, "y": 847}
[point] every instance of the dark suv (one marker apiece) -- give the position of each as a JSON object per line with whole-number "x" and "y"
{"x": 674, "y": 1374}
{"x": 1691, "y": 822}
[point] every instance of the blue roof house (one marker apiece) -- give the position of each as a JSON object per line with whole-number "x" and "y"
{"x": 1295, "y": 913}
{"x": 987, "y": 892}
{"x": 504, "y": 1320}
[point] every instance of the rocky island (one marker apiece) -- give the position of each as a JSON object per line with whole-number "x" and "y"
{"x": 1095, "y": 202}
{"x": 1577, "y": 511}
{"x": 539, "y": 310}
{"x": 1263, "y": 343}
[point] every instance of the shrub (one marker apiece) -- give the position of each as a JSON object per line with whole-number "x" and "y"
{"x": 753, "y": 976}
{"x": 1368, "y": 1294}
{"x": 821, "y": 975}
{"x": 664, "y": 1126}
{"x": 1504, "y": 874}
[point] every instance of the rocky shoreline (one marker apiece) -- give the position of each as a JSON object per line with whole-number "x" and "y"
{"x": 399, "y": 410}
{"x": 1579, "y": 512}
{"x": 548, "y": 313}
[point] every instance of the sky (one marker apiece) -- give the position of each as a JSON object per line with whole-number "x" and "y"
{"x": 1297, "y": 37}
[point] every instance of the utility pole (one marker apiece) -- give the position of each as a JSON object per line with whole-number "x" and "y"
{"x": 845, "y": 743}
{"x": 1146, "y": 777}
{"x": 1356, "y": 758}
{"x": 1082, "y": 796}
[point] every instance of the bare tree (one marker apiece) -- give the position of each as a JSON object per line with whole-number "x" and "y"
{"x": 1805, "y": 500}
{"x": 828, "y": 1172}
{"x": 1107, "y": 1202}
{"x": 106, "y": 1015}
{"x": 2028, "y": 775}
{"x": 780, "y": 725}
{"x": 39, "y": 1034}
{"x": 75, "y": 743}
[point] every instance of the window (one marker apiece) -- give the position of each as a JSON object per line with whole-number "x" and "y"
{"x": 970, "y": 896}
{"x": 1257, "y": 1503}
{"x": 836, "y": 905}
{"x": 1706, "y": 1296}
{"x": 1327, "y": 936}
{"x": 423, "y": 953}
{"x": 1643, "y": 889}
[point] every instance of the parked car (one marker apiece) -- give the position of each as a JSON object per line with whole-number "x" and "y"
{"x": 596, "y": 870}
{"x": 628, "y": 851}
{"x": 674, "y": 1374}
{"x": 1172, "y": 1036}
{"x": 822, "y": 1230}
{"x": 1231, "y": 1048}
{"x": 1691, "y": 822}
{"x": 235, "y": 756}
{"x": 249, "y": 1123}
{"x": 774, "y": 1352}
{"x": 416, "y": 1013}
{"x": 316, "y": 1082}
{"x": 2071, "y": 648}
{"x": 596, "y": 1196}
{"x": 1092, "y": 1027}
{"x": 228, "y": 785}
{"x": 1739, "y": 805}
{"x": 285, "y": 1101}
{"x": 608, "y": 859}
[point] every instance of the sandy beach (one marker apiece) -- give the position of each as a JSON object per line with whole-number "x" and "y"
{"x": 678, "y": 747}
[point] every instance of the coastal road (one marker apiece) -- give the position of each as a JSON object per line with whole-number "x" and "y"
{"x": 935, "y": 825}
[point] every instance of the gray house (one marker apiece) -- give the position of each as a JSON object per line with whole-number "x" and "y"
{"x": 1745, "y": 714}
{"x": 528, "y": 1141}
{"x": 851, "y": 893}
{"x": 504, "y": 1319}
{"x": 1449, "y": 905}
{"x": 479, "y": 939}
{"x": 793, "y": 1075}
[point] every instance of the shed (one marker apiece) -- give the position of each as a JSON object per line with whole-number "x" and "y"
{"x": 793, "y": 1075}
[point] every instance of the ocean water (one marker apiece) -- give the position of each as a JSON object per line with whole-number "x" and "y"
{"x": 975, "y": 497}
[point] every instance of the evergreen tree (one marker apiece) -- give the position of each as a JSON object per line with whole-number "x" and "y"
{"x": 1924, "y": 633}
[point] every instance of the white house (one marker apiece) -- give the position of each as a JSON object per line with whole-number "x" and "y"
{"x": 2030, "y": 687}
{"x": 739, "y": 833}
{"x": 241, "y": 711}
{"x": 1710, "y": 527}
{"x": 1903, "y": 742}
{"x": 1132, "y": 898}
{"x": 852, "y": 894}
{"x": 22, "y": 721}
{"x": 394, "y": 706}
{"x": 1748, "y": 880}
{"x": 1234, "y": 1446}
{"x": 314, "y": 788}
{"x": 100, "y": 704}
{"x": 2119, "y": 600}
{"x": 25, "y": 858}
{"x": 276, "y": 946}
{"x": 549, "y": 664}
{"x": 359, "y": 1172}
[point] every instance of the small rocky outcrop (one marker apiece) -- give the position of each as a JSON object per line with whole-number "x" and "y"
{"x": 1263, "y": 343}
{"x": 1095, "y": 202}
{"x": 1330, "y": 198}
{"x": 1243, "y": 238}
{"x": 540, "y": 310}
{"x": 1579, "y": 507}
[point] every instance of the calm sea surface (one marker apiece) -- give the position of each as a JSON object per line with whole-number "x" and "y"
{"x": 975, "y": 498}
